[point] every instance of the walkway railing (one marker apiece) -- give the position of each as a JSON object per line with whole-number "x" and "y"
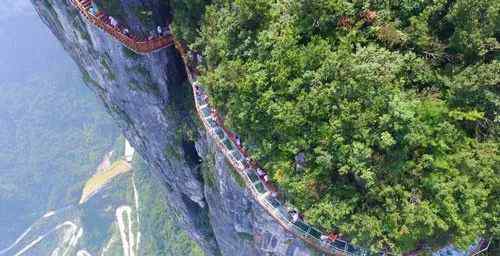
{"x": 482, "y": 246}
{"x": 259, "y": 189}
{"x": 237, "y": 157}
{"x": 225, "y": 141}
{"x": 130, "y": 41}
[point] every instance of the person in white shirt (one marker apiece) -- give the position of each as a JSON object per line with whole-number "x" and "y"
{"x": 238, "y": 141}
{"x": 294, "y": 215}
{"x": 112, "y": 21}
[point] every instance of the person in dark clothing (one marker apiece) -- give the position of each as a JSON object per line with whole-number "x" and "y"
{"x": 294, "y": 215}
{"x": 238, "y": 141}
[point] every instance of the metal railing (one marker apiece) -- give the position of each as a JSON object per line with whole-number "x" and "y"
{"x": 483, "y": 246}
{"x": 141, "y": 47}
{"x": 235, "y": 155}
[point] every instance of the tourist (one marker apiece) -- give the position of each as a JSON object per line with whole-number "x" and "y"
{"x": 159, "y": 31}
{"x": 324, "y": 238}
{"x": 253, "y": 163}
{"x": 294, "y": 215}
{"x": 93, "y": 8}
{"x": 126, "y": 31}
{"x": 152, "y": 35}
{"x": 262, "y": 174}
{"x": 238, "y": 140}
{"x": 331, "y": 237}
{"x": 248, "y": 162}
{"x": 300, "y": 160}
{"x": 166, "y": 31}
{"x": 113, "y": 22}
{"x": 274, "y": 194}
{"x": 301, "y": 216}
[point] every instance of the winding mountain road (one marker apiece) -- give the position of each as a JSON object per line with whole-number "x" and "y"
{"x": 126, "y": 234}
{"x": 130, "y": 241}
{"x": 73, "y": 227}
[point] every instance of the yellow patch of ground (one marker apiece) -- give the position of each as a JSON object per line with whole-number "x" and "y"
{"x": 100, "y": 179}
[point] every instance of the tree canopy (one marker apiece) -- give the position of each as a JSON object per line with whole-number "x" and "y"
{"x": 394, "y": 105}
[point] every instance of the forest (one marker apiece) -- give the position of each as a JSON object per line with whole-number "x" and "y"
{"x": 393, "y": 106}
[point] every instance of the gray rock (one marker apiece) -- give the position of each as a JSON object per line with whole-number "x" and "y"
{"x": 146, "y": 95}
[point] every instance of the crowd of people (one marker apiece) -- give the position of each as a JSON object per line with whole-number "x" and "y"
{"x": 153, "y": 34}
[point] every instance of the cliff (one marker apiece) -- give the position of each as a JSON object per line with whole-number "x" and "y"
{"x": 150, "y": 99}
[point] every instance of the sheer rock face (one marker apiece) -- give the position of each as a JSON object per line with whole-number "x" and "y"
{"x": 149, "y": 98}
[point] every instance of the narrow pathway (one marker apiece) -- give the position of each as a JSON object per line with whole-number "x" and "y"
{"x": 17, "y": 240}
{"x": 108, "y": 245}
{"x": 74, "y": 236}
{"x": 55, "y": 252}
{"x": 119, "y": 33}
{"x": 69, "y": 224}
{"x": 43, "y": 223}
{"x": 225, "y": 141}
{"x": 137, "y": 213}
{"x": 83, "y": 253}
{"x": 129, "y": 152}
{"x": 262, "y": 191}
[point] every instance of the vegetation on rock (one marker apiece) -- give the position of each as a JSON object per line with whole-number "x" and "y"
{"x": 394, "y": 105}
{"x": 161, "y": 235}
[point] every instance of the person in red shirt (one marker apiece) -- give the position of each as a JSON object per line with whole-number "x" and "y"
{"x": 262, "y": 174}
{"x": 332, "y": 236}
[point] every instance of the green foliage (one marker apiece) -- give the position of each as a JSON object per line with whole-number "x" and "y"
{"x": 207, "y": 171}
{"x": 476, "y": 90}
{"x": 96, "y": 220}
{"x": 475, "y": 25}
{"x": 109, "y": 72}
{"x": 88, "y": 79}
{"x": 53, "y": 135}
{"x": 130, "y": 54}
{"x": 397, "y": 116}
{"x": 161, "y": 235}
{"x": 113, "y": 8}
{"x": 172, "y": 152}
{"x": 246, "y": 236}
{"x": 187, "y": 17}
{"x": 148, "y": 85}
{"x": 239, "y": 180}
{"x": 145, "y": 16}
{"x": 82, "y": 29}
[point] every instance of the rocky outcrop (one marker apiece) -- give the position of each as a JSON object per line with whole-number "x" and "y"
{"x": 149, "y": 98}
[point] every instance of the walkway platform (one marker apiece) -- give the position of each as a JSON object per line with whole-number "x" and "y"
{"x": 260, "y": 190}
{"x": 100, "y": 19}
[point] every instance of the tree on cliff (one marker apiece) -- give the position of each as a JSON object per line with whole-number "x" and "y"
{"x": 395, "y": 106}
